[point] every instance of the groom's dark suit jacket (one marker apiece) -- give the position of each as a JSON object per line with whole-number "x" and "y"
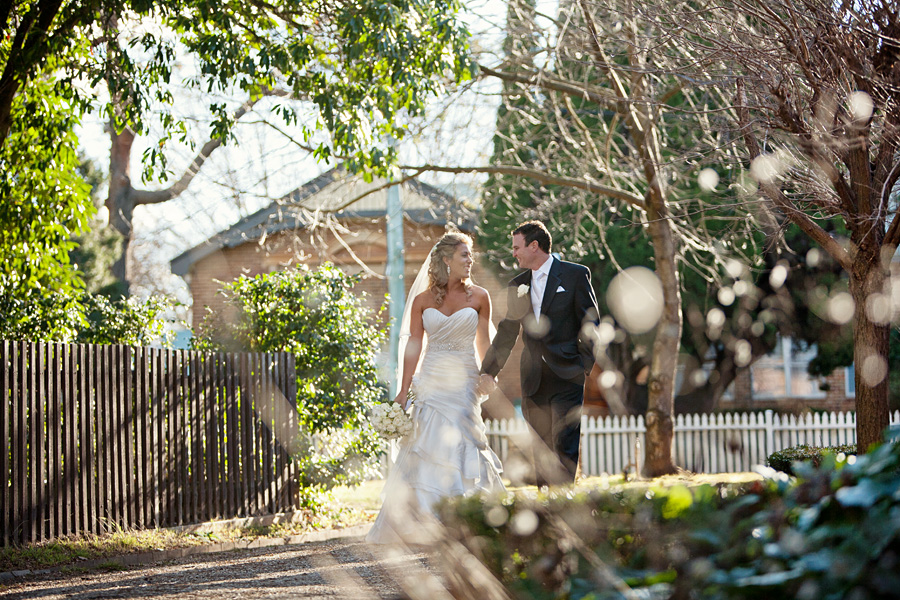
{"x": 568, "y": 303}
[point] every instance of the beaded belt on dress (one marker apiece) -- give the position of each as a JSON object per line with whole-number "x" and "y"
{"x": 450, "y": 347}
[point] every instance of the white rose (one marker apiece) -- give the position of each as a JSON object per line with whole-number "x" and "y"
{"x": 522, "y": 290}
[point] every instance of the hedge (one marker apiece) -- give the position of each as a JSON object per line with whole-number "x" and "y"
{"x": 783, "y": 459}
{"x": 831, "y": 533}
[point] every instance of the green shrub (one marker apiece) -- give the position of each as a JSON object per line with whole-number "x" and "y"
{"x": 126, "y": 321}
{"x": 831, "y": 533}
{"x": 334, "y": 337}
{"x": 783, "y": 459}
{"x": 590, "y": 544}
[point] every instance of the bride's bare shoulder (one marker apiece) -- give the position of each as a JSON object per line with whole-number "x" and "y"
{"x": 480, "y": 292}
{"x": 423, "y": 300}
{"x": 480, "y": 295}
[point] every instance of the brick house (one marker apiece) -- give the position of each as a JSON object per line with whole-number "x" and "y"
{"x": 780, "y": 381}
{"x": 309, "y": 226}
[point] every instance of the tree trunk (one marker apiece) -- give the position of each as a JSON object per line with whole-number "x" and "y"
{"x": 664, "y": 360}
{"x": 8, "y": 89}
{"x": 661, "y": 385}
{"x": 120, "y": 201}
{"x": 870, "y": 350}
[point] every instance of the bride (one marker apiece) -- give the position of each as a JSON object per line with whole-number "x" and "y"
{"x": 447, "y": 454}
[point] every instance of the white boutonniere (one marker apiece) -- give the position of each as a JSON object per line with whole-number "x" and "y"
{"x": 522, "y": 289}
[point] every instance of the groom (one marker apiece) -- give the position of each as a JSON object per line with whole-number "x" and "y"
{"x": 549, "y": 302}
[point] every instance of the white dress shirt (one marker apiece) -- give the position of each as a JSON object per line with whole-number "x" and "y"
{"x": 538, "y": 285}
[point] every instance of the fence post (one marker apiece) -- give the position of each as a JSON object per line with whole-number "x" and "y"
{"x": 770, "y": 433}
{"x": 638, "y": 456}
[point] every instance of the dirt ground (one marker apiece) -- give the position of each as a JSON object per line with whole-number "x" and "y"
{"x": 345, "y": 568}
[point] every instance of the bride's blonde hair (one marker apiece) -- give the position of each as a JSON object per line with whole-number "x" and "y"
{"x": 437, "y": 268}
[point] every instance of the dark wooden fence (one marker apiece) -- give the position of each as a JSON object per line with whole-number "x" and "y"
{"x": 100, "y": 437}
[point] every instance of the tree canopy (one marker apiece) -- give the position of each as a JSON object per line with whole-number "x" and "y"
{"x": 347, "y": 73}
{"x": 816, "y": 108}
{"x": 44, "y": 204}
{"x": 361, "y": 65}
{"x": 603, "y": 139}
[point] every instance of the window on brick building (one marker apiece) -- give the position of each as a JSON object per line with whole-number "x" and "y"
{"x": 850, "y": 381}
{"x": 783, "y": 373}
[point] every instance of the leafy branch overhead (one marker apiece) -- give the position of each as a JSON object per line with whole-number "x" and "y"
{"x": 361, "y": 64}
{"x": 348, "y": 72}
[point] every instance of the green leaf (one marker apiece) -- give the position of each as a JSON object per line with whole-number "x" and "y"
{"x": 863, "y": 495}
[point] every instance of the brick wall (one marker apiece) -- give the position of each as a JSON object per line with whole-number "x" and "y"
{"x": 835, "y": 398}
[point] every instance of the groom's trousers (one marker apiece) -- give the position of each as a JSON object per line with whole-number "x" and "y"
{"x": 554, "y": 413}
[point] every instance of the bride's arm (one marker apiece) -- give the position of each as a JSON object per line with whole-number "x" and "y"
{"x": 413, "y": 350}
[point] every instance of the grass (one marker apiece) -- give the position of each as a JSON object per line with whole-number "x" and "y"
{"x": 365, "y": 498}
{"x": 685, "y": 478}
{"x": 350, "y": 506}
{"x": 72, "y": 550}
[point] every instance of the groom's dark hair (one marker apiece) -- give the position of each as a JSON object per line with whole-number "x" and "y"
{"x": 535, "y": 230}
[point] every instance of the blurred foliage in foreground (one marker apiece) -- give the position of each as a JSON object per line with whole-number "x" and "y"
{"x": 830, "y": 533}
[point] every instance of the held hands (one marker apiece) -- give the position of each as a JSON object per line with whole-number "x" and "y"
{"x": 486, "y": 385}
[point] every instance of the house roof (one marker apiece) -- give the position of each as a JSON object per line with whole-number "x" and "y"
{"x": 329, "y": 192}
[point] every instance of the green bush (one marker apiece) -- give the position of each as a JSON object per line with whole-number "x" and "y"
{"x": 315, "y": 315}
{"x": 831, "y": 533}
{"x": 784, "y": 459}
{"x": 125, "y": 321}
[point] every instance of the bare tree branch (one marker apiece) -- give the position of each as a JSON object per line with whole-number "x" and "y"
{"x": 810, "y": 227}
{"x": 143, "y": 197}
{"x": 548, "y": 82}
{"x": 542, "y": 177}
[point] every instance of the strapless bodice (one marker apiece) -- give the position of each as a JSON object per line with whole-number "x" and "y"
{"x": 453, "y": 333}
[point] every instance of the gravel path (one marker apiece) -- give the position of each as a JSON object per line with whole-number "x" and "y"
{"x": 343, "y": 568}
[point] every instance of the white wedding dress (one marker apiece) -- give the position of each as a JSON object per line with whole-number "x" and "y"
{"x": 447, "y": 454}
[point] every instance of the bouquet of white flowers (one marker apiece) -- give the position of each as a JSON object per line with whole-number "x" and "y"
{"x": 390, "y": 421}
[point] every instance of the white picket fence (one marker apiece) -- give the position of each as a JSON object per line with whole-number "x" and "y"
{"x": 718, "y": 443}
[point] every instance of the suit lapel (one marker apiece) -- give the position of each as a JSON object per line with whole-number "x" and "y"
{"x": 523, "y": 279}
{"x": 521, "y": 305}
{"x": 551, "y": 287}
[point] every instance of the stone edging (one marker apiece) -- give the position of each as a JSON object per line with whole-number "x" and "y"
{"x": 128, "y": 560}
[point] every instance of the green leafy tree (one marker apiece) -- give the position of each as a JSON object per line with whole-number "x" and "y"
{"x": 50, "y": 241}
{"x": 359, "y": 68}
{"x": 360, "y": 63}
{"x": 519, "y": 117}
{"x": 317, "y": 317}
{"x": 44, "y": 204}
